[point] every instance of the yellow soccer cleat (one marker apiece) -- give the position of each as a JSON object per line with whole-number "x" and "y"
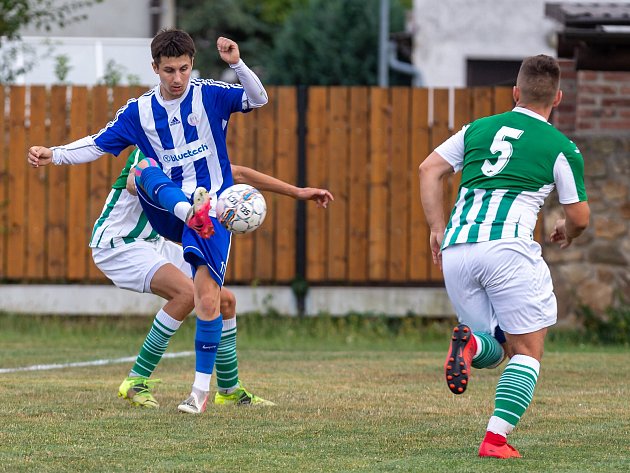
{"x": 241, "y": 397}
{"x": 137, "y": 390}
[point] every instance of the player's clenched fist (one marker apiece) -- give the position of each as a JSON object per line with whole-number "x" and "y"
{"x": 228, "y": 50}
{"x": 39, "y": 156}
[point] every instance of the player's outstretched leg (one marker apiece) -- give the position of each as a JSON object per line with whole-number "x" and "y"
{"x": 198, "y": 217}
{"x": 468, "y": 349}
{"x": 458, "y": 362}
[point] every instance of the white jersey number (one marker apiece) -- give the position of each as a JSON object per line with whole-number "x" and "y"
{"x": 503, "y": 147}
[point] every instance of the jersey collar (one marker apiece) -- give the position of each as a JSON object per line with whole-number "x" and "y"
{"x": 529, "y": 113}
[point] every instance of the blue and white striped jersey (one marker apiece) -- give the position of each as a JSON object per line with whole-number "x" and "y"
{"x": 187, "y": 136}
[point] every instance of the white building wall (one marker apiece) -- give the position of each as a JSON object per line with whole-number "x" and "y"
{"x": 448, "y": 32}
{"x": 118, "y": 30}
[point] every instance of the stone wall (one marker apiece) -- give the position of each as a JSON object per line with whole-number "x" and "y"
{"x": 595, "y": 269}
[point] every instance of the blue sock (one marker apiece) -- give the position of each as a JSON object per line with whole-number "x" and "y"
{"x": 160, "y": 188}
{"x": 207, "y": 339}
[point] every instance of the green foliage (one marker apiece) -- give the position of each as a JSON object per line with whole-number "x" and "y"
{"x": 250, "y": 23}
{"x": 62, "y": 67}
{"x": 613, "y": 327}
{"x": 42, "y": 14}
{"x": 330, "y": 42}
{"x": 292, "y": 42}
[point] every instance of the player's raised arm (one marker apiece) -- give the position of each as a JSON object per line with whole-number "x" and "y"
{"x": 255, "y": 93}
{"x": 264, "y": 182}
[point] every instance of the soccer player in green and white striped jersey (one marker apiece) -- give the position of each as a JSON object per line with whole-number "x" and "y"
{"x": 133, "y": 256}
{"x": 493, "y": 269}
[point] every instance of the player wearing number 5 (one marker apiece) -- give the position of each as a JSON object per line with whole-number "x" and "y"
{"x": 180, "y": 126}
{"x": 493, "y": 269}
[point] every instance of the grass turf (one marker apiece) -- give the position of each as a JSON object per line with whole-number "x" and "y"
{"x": 353, "y": 395}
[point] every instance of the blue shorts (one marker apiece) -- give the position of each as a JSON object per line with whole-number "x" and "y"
{"x": 212, "y": 252}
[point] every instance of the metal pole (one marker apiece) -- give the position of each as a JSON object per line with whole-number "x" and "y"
{"x": 383, "y": 45}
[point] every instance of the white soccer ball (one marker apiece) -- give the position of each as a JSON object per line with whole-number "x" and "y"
{"x": 241, "y": 208}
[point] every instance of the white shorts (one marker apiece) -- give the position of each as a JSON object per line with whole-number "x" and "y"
{"x": 133, "y": 265}
{"x": 501, "y": 282}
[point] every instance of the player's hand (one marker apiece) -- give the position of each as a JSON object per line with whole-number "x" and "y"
{"x": 39, "y": 156}
{"x": 559, "y": 234}
{"x": 228, "y": 50}
{"x": 320, "y": 196}
{"x": 435, "y": 241}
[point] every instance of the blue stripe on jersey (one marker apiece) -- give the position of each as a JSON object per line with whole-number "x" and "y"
{"x": 190, "y": 132}
{"x": 161, "y": 124}
{"x": 177, "y": 175}
{"x": 201, "y": 169}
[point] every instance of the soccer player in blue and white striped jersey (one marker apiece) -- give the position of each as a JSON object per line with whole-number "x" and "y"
{"x": 180, "y": 125}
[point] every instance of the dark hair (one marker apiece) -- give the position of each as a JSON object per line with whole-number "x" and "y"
{"x": 172, "y": 43}
{"x": 538, "y": 80}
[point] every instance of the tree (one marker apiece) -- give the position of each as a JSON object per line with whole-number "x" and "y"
{"x": 251, "y": 23}
{"x": 330, "y": 42}
{"x": 43, "y": 14}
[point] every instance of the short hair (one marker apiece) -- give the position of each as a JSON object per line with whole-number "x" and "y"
{"x": 538, "y": 80}
{"x": 172, "y": 43}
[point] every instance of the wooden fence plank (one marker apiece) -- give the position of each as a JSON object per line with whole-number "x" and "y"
{"x": 316, "y": 146}
{"x": 399, "y": 184}
{"x": 337, "y": 157}
{"x": 242, "y": 151}
{"x": 17, "y": 170}
{"x": 440, "y": 131}
{"x": 79, "y": 228}
{"x": 99, "y": 170}
{"x": 265, "y": 152}
{"x": 419, "y": 253}
{"x": 380, "y": 119}
{"x": 503, "y": 100}
{"x": 36, "y": 189}
{"x": 357, "y": 208}
{"x": 286, "y": 160}
{"x": 4, "y": 186}
{"x": 56, "y": 244}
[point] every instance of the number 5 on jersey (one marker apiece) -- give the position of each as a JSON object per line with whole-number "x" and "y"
{"x": 503, "y": 147}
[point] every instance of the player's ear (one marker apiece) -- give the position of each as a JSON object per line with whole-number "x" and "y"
{"x": 558, "y": 98}
{"x": 516, "y": 94}
{"x": 156, "y": 68}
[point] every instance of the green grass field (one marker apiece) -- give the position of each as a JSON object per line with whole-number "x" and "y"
{"x": 353, "y": 395}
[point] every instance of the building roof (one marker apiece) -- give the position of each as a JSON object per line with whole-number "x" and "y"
{"x": 596, "y": 35}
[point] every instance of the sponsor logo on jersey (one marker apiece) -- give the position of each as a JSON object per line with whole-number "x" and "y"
{"x": 174, "y": 121}
{"x": 191, "y": 151}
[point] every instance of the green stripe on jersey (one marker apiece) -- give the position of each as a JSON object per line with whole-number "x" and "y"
{"x": 115, "y": 195}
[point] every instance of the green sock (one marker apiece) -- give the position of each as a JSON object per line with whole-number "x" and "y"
{"x": 226, "y": 363}
{"x": 163, "y": 328}
{"x": 489, "y": 351}
{"x": 514, "y": 393}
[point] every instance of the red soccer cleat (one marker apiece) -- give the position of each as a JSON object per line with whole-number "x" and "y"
{"x": 199, "y": 216}
{"x": 459, "y": 359}
{"x": 496, "y": 446}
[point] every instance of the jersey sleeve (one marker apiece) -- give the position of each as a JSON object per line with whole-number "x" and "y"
{"x": 226, "y": 99}
{"x": 452, "y": 150}
{"x": 120, "y": 132}
{"x": 568, "y": 173}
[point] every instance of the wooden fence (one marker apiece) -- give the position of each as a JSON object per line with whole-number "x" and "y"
{"x": 362, "y": 143}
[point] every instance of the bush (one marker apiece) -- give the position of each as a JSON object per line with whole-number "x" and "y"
{"x": 613, "y": 327}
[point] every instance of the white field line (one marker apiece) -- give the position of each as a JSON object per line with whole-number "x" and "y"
{"x": 81, "y": 364}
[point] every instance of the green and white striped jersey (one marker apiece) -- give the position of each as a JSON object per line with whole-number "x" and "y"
{"x": 510, "y": 162}
{"x": 122, "y": 220}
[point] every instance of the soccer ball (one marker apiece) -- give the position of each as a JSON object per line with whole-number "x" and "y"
{"x": 241, "y": 208}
